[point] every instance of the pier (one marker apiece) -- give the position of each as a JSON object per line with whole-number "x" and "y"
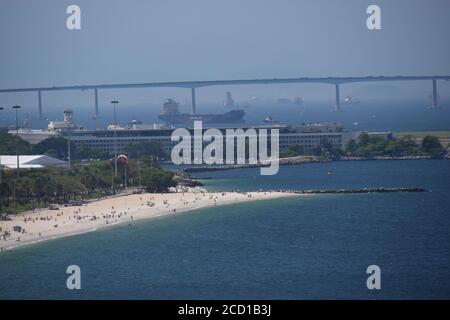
{"x": 364, "y": 190}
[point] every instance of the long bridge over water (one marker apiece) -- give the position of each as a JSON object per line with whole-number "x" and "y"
{"x": 193, "y": 85}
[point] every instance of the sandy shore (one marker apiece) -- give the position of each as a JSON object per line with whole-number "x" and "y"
{"x": 47, "y": 224}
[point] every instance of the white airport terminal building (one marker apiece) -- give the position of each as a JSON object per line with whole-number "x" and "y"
{"x": 307, "y": 135}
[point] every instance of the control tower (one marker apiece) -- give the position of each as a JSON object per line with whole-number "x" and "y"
{"x": 68, "y": 116}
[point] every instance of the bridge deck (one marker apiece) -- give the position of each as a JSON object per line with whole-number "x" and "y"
{"x": 199, "y": 84}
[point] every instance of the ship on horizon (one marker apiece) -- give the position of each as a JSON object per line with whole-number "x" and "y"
{"x": 170, "y": 114}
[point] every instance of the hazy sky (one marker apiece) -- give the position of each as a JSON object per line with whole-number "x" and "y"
{"x": 174, "y": 40}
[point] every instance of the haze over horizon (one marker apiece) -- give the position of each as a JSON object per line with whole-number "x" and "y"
{"x": 174, "y": 40}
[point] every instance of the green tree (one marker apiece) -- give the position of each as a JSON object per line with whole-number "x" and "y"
{"x": 83, "y": 180}
{"x": 364, "y": 139}
{"x": 54, "y": 147}
{"x": 157, "y": 180}
{"x": 24, "y": 188}
{"x": 8, "y": 145}
{"x": 294, "y": 151}
{"x": 84, "y": 152}
{"x": 433, "y": 147}
{"x": 57, "y": 147}
{"x": 153, "y": 149}
{"x": 70, "y": 185}
{"x": 351, "y": 146}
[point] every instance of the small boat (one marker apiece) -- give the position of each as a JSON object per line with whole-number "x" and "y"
{"x": 270, "y": 119}
{"x": 298, "y": 101}
{"x": 350, "y": 100}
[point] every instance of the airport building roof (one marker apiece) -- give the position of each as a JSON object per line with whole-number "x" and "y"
{"x": 30, "y": 161}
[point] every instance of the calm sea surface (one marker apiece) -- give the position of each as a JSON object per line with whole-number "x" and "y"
{"x": 391, "y": 115}
{"x": 309, "y": 247}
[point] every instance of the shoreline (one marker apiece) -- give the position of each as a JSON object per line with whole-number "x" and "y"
{"x": 301, "y": 160}
{"x": 44, "y": 225}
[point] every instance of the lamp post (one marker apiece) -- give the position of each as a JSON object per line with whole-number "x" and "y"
{"x": 113, "y": 189}
{"x": 68, "y": 149}
{"x": 114, "y": 102}
{"x": 126, "y": 178}
{"x": 16, "y": 107}
{"x": 1, "y": 108}
{"x": 139, "y": 173}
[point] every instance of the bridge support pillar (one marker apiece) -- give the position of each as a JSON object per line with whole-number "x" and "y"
{"x": 40, "y": 104}
{"x": 434, "y": 102}
{"x": 96, "y": 103}
{"x": 337, "y": 101}
{"x": 193, "y": 101}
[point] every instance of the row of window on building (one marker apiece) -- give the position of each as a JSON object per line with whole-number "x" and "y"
{"x": 286, "y": 140}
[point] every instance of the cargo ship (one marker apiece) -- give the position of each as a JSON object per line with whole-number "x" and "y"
{"x": 171, "y": 114}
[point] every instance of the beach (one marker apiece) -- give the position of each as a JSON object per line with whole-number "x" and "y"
{"x": 46, "y": 224}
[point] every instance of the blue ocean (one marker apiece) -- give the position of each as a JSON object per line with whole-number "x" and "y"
{"x": 307, "y": 247}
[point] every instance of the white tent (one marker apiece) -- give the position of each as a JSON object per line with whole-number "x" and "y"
{"x": 29, "y": 162}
